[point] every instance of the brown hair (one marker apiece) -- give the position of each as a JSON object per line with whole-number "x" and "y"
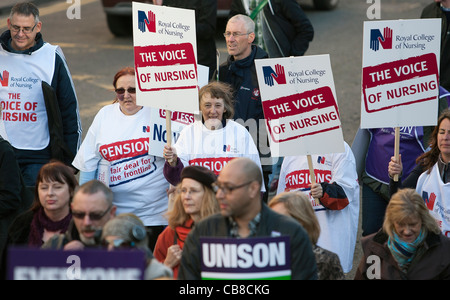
{"x": 299, "y": 207}
{"x": 177, "y": 216}
{"x": 122, "y": 72}
{"x": 429, "y": 158}
{"x": 54, "y": 171}
{"x": 219, "y": 90}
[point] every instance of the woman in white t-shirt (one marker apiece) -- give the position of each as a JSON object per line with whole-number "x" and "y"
{"x": 115, "y": 150}
{"x": 213, "y": 141}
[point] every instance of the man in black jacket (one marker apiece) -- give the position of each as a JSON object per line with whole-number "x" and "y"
{"x": 240, "y": 72}
{"x": 243, "y": 215}
{"x": 26, "y": 61}
{"x": 283, "y": 29}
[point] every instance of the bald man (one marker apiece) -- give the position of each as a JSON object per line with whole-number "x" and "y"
{"x": 243, "y": 215}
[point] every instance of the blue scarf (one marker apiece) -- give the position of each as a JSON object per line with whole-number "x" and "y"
{"x": 404, "y": 252}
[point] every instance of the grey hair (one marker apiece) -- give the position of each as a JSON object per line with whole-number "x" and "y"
{"x": 25, "y": 9}
{"x": 122, "y": 226}
{"x": 248, "y": 22}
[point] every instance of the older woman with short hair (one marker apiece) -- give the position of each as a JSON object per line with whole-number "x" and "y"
{"x": 409, "y": 246}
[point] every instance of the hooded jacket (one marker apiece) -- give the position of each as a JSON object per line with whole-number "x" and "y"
{"x": 67, "y": 102}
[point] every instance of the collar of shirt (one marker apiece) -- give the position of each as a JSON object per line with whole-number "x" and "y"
{"x": 252, "y": 225}
{"x": 444, "y": 170}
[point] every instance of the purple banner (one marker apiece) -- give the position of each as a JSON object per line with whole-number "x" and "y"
{"x": 39, "y": 264}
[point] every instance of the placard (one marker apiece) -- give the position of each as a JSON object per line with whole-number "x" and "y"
{"x": 43, "y": 264}
{"x": 400, "y": 75}
{"x": 300, "y": 105}
{"x": 165, "y": 56}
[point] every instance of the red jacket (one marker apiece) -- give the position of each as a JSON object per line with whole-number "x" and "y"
{"x": 171, "y": 237}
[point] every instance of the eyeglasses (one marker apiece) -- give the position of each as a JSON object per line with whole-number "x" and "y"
{"x": 227, "y": 189}
{"x": 26, "y": 30}
{"x": 234, "y": 34}
{"x": 92, "y": 216}
{"x": 121, "y": 91}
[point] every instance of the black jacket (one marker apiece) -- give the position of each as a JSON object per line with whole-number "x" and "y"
{"x": 67, "y": 101}
{"x": 433, "y": 10}
{"x": 289, "y": 29}
{"x": 303, "y": 264}
{"x": 205, "y": 22}
{"x": 432, "y": 260}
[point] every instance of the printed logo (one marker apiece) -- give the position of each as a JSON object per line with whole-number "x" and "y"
{"x": 145, "y": 128}
{"x": 4, "y": 78}
{"x": 429, "y": 201}
{"x": 270, "y": 75}
{"x": 385, "y": 39}
{"x": 321, "y": 159}
{"x": 146, "y": 22}
{"x": 226, "y": 148}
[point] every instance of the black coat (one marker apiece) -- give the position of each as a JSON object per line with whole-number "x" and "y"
{"x": 303, "y": 263}
{"x": 433, "y": 10}
{"x": 289, "y": 29}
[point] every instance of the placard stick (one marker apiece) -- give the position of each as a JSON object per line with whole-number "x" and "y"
{"x": 397, "y": 148}
{"x": 169, "y": 130}
{"x": 311, "y": 174}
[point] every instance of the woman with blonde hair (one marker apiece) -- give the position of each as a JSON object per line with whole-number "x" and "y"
{"x": 193, "y": 201}
{"x": 409, "y": 246}
{"x": 297, "y": 205}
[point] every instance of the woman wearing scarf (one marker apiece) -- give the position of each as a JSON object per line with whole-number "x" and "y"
{"x": 193, "y": 201}
{"x": 50, "y": 212}
{"x": 410, "y": 246}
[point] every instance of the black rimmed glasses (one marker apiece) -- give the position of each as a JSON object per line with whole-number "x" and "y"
{"x": 26, "y": 30}
{"x": 93, "y": 216}
{"x": 226, "y": 189}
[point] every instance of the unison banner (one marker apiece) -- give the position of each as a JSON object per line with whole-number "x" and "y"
{"x": 249, "y": 258}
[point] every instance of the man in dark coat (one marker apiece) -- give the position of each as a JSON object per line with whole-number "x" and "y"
{"x": 243, "y": 215}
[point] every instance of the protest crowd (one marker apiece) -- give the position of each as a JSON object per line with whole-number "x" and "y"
{"x": 200, "y": 208}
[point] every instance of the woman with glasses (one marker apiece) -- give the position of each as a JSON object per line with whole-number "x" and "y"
{"x": 50, "y": 212}
{"x": 213, "y": 141}
{"x": 194, "y": 200}
{"x": 115, "y": 151}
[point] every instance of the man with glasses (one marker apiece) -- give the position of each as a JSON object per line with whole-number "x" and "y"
{"x": 92, "y": 206}
{"x": 244, "y": 215}
{"x": 33, "y": 72}
{"x": 240, "y": 72}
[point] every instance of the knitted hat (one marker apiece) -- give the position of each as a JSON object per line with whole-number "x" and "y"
{"x": 200, "y": 174}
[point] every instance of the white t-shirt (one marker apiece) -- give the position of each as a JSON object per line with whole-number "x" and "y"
{"x": 338, "y": 228}
{"x": 213, "y": 149}
{"x": 136, "y": 178}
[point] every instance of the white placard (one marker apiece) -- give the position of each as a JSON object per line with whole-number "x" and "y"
{"x": 300, "y": 106}
{"x": 400, "y": 73}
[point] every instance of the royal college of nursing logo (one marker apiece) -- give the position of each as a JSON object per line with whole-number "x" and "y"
{"x": 377, "y": 39}
{"x": 4, "y": 78}
{"x": 146, "y": 21}
{"x": 270, "y": 75}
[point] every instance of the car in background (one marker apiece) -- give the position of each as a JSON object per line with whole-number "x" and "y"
{"x": 119, "y": 12}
